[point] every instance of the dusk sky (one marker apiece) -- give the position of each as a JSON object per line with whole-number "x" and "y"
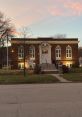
{"x": 46, "y": 17}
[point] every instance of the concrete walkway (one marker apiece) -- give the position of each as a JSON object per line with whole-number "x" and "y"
{"x": 61, "y": 79}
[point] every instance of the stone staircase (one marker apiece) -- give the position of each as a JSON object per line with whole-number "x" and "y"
{"x": 48, "y": 68}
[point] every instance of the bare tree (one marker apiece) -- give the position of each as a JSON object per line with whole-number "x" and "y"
{"x": 59, "y": 36}
{"x": 7, "y": 30}
{"x": 25, "y": 32}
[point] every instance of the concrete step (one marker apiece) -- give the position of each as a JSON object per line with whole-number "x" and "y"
{"x": 50, "y": 71}
{"x": 49, "y": 68}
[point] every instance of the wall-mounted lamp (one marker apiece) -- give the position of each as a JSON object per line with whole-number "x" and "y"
{"x": 12, "y": 50}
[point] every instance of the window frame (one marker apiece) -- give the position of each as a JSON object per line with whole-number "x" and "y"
{"x": 32, "y": 52}
{"x": 21, "y": 65}
{"x": 21, "y": 52}
{"x": 58, "y": 52}
{"x": 68, "y": 52}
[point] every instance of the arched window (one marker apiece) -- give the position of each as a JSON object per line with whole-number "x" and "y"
{"x": 21, "y": 52}
{"x": 44, "y": 48}
{"x": 58, "y": 52}
{"x": 32, "y": 52}
{"x": 68, "y": 52}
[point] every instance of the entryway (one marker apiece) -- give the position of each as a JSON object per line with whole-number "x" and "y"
{"x": 45, "y": 53}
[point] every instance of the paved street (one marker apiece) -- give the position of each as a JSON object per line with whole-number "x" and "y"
{"x": 41, "y": 100}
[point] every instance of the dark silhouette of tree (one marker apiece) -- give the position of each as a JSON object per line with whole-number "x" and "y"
{"x": 60, "y": 36}
{"x": 25, "y": 32}
{"x": 7, "y": 30}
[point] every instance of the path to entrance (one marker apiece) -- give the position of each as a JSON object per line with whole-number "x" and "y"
{"x": 61, "y": 79}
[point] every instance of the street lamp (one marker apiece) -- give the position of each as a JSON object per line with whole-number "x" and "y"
{"x": 24, "y": 58}
{"x": 7, "y": 53}
{"x": 12, "y": 51}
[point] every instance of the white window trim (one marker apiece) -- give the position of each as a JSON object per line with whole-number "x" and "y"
{"x": 58, "y": 48}
{"x": 68, "y": 48}
{"x": 21, "y": 65}
{"x": 33, "y": 53}
{"x": 20, "y": 53}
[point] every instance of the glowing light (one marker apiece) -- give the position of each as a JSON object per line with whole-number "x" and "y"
{"x": 68, "y": 63}
{"x": 12, "y": 50}
{"x": 26, "y": 65}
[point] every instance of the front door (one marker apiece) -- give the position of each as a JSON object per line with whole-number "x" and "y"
{"x": 45, "y": 53}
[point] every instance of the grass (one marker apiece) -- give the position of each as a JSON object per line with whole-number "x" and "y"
{"x": 76, "y": 70}
{"x": 28, "y": 79}
{"x": 76, "y": 77}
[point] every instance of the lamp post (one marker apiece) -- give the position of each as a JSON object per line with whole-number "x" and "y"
{"x": 12, "y": 51}
{"x": 7, "y": 53}
{"x": 24, "y": 58}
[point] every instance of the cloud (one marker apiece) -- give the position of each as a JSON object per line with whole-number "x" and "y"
{"x": 74, "y": 7}
{"x": 28, "y": 12}
{"x": 65, "y": 8}
{"x": 54, "y": 11}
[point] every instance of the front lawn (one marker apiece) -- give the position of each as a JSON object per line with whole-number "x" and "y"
{"x": 20, "y": 79}
{"x": 77, "y": 77}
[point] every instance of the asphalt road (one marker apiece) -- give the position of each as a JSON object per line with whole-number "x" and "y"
{"x": 41, "y": 100}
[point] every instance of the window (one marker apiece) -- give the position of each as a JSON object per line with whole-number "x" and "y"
{"x": 68, "y": 52}
{"x": 69, "y": 65}
{"x": 21, "y": 65}
{"x": 58, "y": 52}
{"x": 45, "y": 48}
{"x": 32, "y": 52}
{"x": 80, "y": 61}
{"x": 21, "y": 52}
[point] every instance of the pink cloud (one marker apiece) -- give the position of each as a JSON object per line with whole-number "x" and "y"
{"x": 54, "y": 11}
{"x": 74, "y": 7}
{"x": 28, "y": 12}
{"x": 65, "y": 8}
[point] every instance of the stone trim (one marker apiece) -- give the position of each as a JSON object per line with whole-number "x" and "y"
{"x": 39, "y": 42}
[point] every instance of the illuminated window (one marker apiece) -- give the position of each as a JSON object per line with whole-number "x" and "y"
{"x": 21, "y": 65}
{"x": 21, "y": 52}
{"x": 58, "y": 52}
{"x": 32, "y": 52}
{"x": 68, "y": 52}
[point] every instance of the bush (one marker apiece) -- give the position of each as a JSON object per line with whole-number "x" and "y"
{"x": 76, "y": 70}
{"x": 37, "y": 69}
{"x": 10, "y": 72}
{"x": 65, "y": 69}
{"x": 75, "y": 65}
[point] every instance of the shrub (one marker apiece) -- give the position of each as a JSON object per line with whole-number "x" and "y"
{"x": 37, "y": 69}
{"x": 76, "y": 70}
{"x": 65, "y": 69}
{"x": 76, "y": 65}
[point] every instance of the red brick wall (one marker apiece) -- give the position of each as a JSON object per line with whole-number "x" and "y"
{"x": 15, "y": 54}
{"x": 63, "y": 52}
{"x": 53, "y": 46}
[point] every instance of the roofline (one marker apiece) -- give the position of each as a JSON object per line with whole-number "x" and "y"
{"x": 45, "y": 39}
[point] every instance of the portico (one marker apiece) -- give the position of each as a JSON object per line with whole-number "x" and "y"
{"x": 45, "y": 52}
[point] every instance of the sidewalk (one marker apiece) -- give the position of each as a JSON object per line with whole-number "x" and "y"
{"x": 61, "y": 79}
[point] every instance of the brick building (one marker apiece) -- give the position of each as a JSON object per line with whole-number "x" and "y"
{"x": 80, "y": 56}
{"x": 43, "y": 51}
